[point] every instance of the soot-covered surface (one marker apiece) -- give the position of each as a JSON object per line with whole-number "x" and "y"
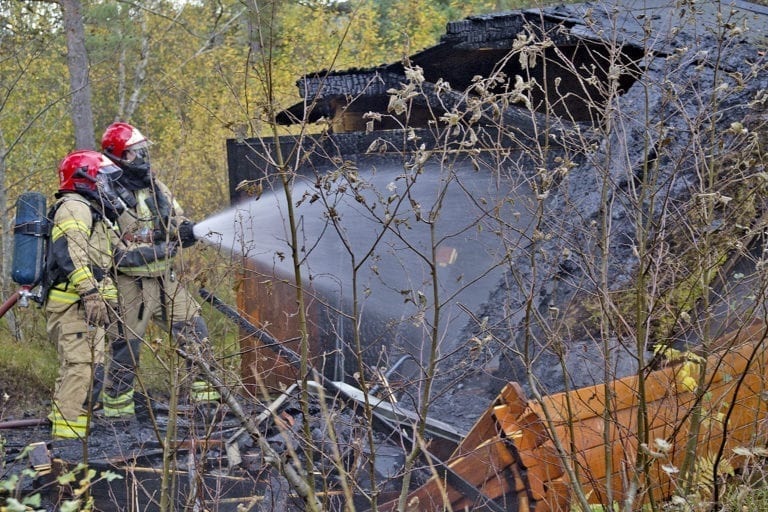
{"x": 216, "y": 465}
{"x": 680, "y": 67}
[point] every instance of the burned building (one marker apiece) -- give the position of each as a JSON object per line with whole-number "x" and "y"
{"x": 476, "y": 175}
{"x": 466, "y": 215}
{"x": 554, "y": 197}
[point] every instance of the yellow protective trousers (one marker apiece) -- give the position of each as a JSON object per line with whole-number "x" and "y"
{"x": 145, "y": 299}
{"x": 80, "y": 347}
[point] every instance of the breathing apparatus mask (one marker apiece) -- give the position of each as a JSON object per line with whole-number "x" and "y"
{"x": 104, "y": 189}
{"x": 135, "y": 163}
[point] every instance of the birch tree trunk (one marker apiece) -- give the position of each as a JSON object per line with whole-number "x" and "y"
{"x": 79, "y": 83}
{"x": 6, "y": 241}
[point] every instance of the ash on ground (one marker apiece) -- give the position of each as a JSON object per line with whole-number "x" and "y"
{"x": 216, "y": 464}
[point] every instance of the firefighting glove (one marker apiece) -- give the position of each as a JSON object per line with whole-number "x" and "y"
{"x": 96, "y": 312}
{"x": 186, "y": 233}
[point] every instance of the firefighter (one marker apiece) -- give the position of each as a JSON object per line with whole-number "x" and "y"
{"x": 148, "y": 291}
{"x": 81, "y": 295}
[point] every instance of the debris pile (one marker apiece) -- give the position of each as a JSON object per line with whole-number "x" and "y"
{"x": 215, "y": 463}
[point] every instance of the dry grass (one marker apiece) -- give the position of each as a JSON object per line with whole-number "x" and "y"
{"x": 27, "y": 369}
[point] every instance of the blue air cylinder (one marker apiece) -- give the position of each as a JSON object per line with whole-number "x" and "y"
{"x": 30, "y": 233}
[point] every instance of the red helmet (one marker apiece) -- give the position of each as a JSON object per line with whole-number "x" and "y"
{"x": 119, "y": 137}
{"x": 78, "y": 170}
{"x": 128, "y": 148}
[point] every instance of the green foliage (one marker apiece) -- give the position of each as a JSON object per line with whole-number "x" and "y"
{"x": 14, "y": 505}
{"x": 200, "y": 80}
{"x": 33, "y": 117}
{"x": 747, "y": 497}
{"x": 77, "y": 482}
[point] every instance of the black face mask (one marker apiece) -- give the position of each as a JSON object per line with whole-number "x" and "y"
{"x": 104, "y": 197}
{"x": 135, "y": 179}
{"x": 125, "y": 195}
{"x": 136, "y": 173}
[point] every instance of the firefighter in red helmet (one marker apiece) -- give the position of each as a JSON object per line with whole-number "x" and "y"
{"x": 81, "y": 295}
{"x": 148, "y": 291}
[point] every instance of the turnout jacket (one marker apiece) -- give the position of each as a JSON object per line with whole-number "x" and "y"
{"x": 80, "y": 253}
{"x": 148, "y": 226}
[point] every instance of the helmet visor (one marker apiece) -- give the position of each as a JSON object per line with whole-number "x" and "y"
{"x": 138, "y": 152}
{"x": 110, "y": 172}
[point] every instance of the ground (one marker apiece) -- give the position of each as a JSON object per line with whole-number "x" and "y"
{"x": 21, "y": 396}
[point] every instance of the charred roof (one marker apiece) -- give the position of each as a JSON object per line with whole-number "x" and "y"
{"x": 588, "y": 40}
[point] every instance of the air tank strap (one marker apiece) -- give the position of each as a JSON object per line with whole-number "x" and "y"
{"x": 37, "y": 228}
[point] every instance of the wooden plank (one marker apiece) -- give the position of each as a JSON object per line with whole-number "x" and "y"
{"x": 514, "y": 398}
{"x": 490, "y": 458}
{"x": 486, "y": 462}
{"x": 677, "y": 400}
{"x": 590, "y": 401}
{"x": 483, "y": 467}
{"x": 708, "y": 442}
{"x": 666, "y": 416}
{"x": 534, "y": 432}
{"x": 543, "y": 464}
{"x": 590, "y": 465}
{"x": 507, "y": 421}
{"x": 485, "y": 428}
{"x": 511, "y": 400}
{"x": 494, "y": 488}
{"x": 557, "y": 498}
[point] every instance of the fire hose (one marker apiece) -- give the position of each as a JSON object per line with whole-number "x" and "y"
{"x": 27, "y": 422}
{"x": 8, "y": 304}
{"x": 20, "y": 296}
